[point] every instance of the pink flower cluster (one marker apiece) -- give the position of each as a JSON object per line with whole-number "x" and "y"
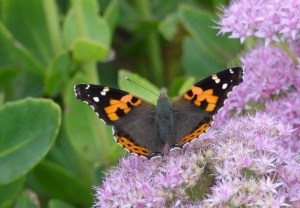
{"x": 269, "y": 71}
{"x": 268, "y": 19}
{"x": 242, "y": 164}
{"x": 287, "y": 108}
{"x": 138, "y": 182}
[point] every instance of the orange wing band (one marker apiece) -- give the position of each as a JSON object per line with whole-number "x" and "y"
{"x": 201, "y": 95}
{"x": 196, "y": 133}
{"x": 131, "y": 147}
{"x": 122, "y": 104}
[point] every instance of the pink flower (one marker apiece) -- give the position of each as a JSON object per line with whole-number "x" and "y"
{"x": 224, "y": 167}
{"x": 287, "y": 108}
{"x": 268, "y": 19}
{"x": 268, "y": 72}
{"x": 294, "y": 45}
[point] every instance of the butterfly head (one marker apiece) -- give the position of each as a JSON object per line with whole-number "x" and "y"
{"x": 163, "y": 99}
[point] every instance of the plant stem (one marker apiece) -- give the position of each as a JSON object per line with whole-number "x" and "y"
{"x": 51, "y": 14}
{"x": 152, "y": 45}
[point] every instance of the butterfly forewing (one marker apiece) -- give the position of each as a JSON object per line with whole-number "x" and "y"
{"x": 199, "y": 104}
{"x": 131, "y": 117}
{"x": 109, "y": 104}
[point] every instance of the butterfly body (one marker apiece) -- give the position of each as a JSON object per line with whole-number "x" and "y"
{"x": 145, "y": 129}
{"x": 164, "y": 121}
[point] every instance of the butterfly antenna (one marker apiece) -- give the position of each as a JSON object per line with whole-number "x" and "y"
{"x": 141, "y": 86}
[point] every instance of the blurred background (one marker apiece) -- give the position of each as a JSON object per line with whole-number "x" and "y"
{"x": 53, "y": 148}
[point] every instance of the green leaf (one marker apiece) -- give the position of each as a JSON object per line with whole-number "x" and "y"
{"x": 9, "y": 192}
{"x": 60, "y": 183}
{"x": 195, "y": 61}
{"x": 21, "y": 67}
{"x": 89, "y": 136}
{"x": 85, "y": 49}
{"x": 162, "y": 7}
{"x": 199, "y": 22}
{"x": 57, "y": 74}
{"x": 27, "y": 199}
{"x": 56, "y": 203}
{"x": 168, "y": 26}
{"x": 29, "y": 27}
{"x": 138, "y": 90}
{"x": 28, "y": 130}
{"x": 87, "y": 35}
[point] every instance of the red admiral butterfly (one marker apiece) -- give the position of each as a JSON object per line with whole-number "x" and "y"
{"x": 145, "y": 129}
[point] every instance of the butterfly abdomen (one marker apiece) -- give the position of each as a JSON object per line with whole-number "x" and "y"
{"x": 164, "y": 121}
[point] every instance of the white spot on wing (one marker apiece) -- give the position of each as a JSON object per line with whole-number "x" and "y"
{"x": 87, "y": 87}
{"x": 96, "y": 99}
{"x": 216, "y": 78}
{"x": 224, "y": 86}
{"x": 230, "y": 70}
{"x": 113, "y": 131}
{"x": 103, "y": 92}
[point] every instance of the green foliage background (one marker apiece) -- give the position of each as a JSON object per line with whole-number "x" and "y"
{"x": 53, "y": 148}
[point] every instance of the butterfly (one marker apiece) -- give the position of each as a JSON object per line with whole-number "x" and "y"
{"x": 145, "y": 129}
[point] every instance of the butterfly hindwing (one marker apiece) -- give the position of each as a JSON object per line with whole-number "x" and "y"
{"x": 199, "y": 104}
{"x": 138, "y": 127}
{"x": 131, "y": 117}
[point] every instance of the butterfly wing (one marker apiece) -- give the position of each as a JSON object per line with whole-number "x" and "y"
{"x": 194, "y": 111}
{"x": 132, "y": 118}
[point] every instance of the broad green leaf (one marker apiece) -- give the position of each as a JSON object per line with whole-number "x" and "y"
{"x": 195, "y": 60}
{"x": 63, "y": 154}
{"x": 18, "y": 68}
{"x": 162, "y": 7}
{"x": 87, "y": 34}
{"x": 199, "y": 23}
{"x": 9, "y": 192}
{"x": 60, "y": 183}
{"x": 14, "y": 52}
{"x": 85, "y": 49}
{"x": 27, "y": 199}
{"x": 27, "y": 23}
{"x": 89, "y": 136}
{"x": 56, "y": 203}
{"x": 57, "y": 74}
{"x": 139, "y": 91}
{"x": 28, "y": 130}
{"x": 168, "y": 26}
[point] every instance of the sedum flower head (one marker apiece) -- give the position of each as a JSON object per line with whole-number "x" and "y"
{"x": 269, "y": 70}
{"x": 242, "y": 163}
{"x": 269, "y": 19}
{"x": 287, "y": 108}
